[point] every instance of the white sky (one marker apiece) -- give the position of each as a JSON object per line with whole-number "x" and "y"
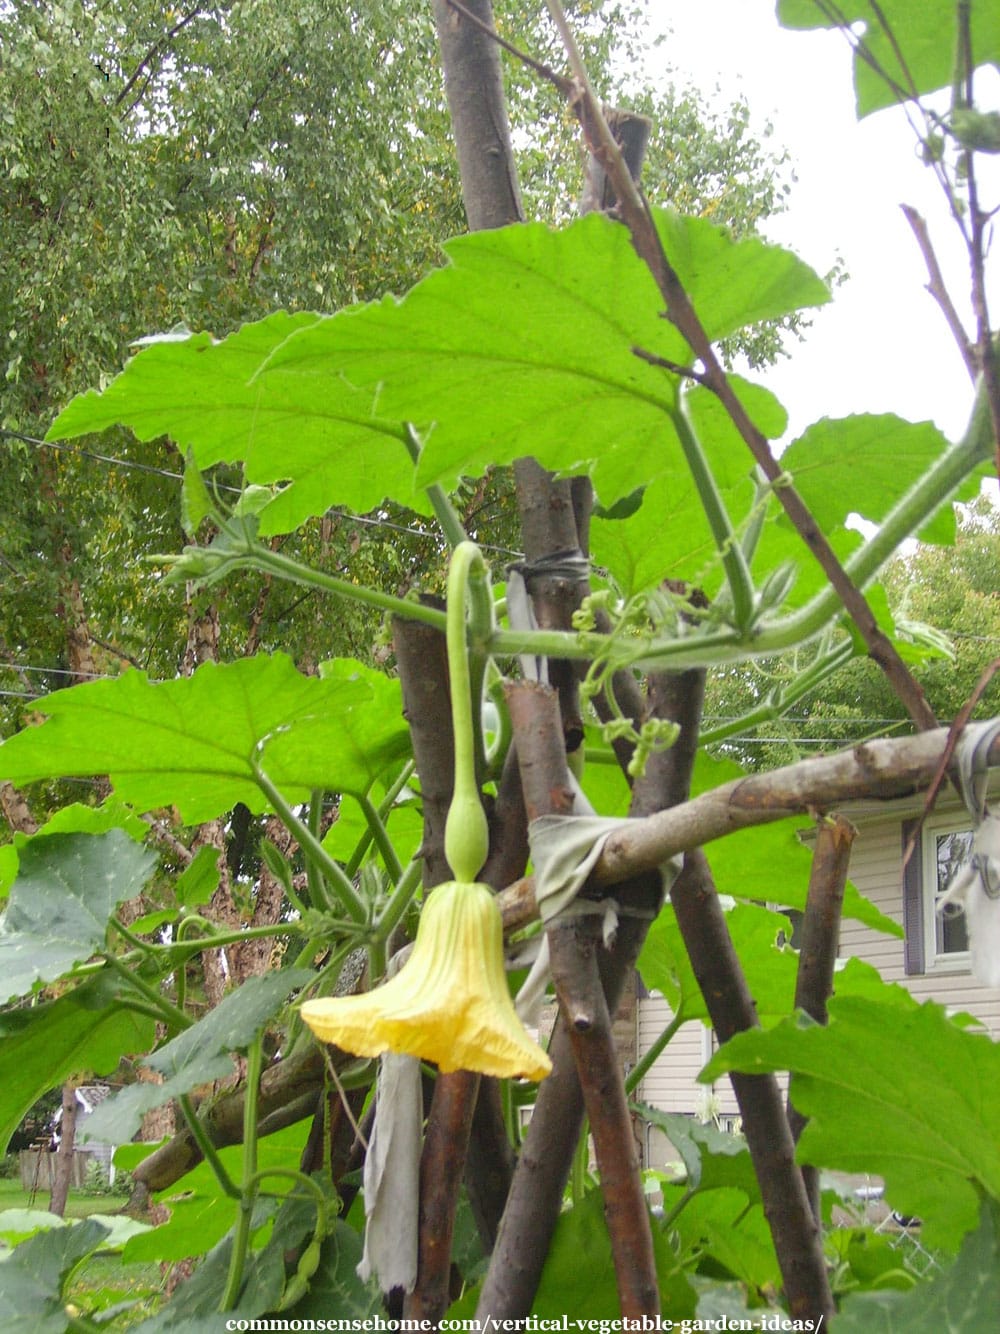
{"x": 883, "y": 345}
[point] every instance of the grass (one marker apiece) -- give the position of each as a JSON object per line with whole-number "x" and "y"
{"x": 103, "y": 1280}
{"x": 79, "y": 1204}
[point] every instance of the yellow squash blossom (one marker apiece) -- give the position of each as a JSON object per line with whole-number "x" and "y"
{"x": 448, "y": 1004}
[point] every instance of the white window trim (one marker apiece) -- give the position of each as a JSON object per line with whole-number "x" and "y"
{"x": 930, "y": 891}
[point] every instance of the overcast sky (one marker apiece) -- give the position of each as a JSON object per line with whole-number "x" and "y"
{"x": 883, "y": 344}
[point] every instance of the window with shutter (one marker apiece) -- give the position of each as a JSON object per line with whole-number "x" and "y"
{"x": 935, "y": 941}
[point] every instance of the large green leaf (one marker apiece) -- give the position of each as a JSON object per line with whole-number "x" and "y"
{"x": 900, "y": 1092}
{"x": 200, "y": 1213}
{"x": 864, "y": 464}
{"x": 918, "y": 50}
{"x": 770, "y": 971}
{"x": 31, "y": 1294}
{"x": 713, "y": 1159}
{"x": 67, "y": 887}
{"x": 190, "y": 742}
{"x": 523, "y": 344}
{"x": 965, "y": 1299}
{"x": 579, "y": 1273}
{"x": 733, "y": 1232}
{"x": 88, "y": 1029}
{"x": 73, "y": 819}
{"x": 199, "y": 1055}
{"x": 666, "y": 537}
{"x": 208, "y": 397}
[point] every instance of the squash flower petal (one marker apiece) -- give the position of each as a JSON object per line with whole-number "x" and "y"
{"x": 448, "y": 1004}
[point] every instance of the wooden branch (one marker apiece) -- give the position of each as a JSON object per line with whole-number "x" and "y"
{"x": 543, "y": 1166}
{"x": 423, "y": 670}
{"x": 489, "y": 1167}
{"x": 797, "y": 1237}
{"x": 676, "y": 697}
{"x": 474, "y": 88}
{"x": 159, "y": 45}
{"x": 818, "y": 950}
{"x": 573, "y": 953}
{"x": 548, "y": 526}
{"x": 937, "y": 289}
{"x": 879, "y": 770}
{"x": 441, "y": 1166}
{"x": 464, "y": 11}
{"x": 980, "y": 230}
{"x": 574, "y": 947}
{"x": 508, "y": 854}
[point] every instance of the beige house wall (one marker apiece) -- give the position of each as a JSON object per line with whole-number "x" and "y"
{"x": 877, "y": 871}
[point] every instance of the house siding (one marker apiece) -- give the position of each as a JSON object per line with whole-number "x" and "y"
{"x": 877, "y": 871}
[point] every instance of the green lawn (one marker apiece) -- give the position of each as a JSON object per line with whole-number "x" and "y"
{"x": 79, "y": 1204}
{"x": 103, "y": 1281}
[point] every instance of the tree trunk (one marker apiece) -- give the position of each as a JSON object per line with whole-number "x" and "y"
{"x": 62, "y": 1176}
{"x": 474, "y": 85}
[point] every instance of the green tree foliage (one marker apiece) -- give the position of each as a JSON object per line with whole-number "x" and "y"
{"x": 550, "y": 343}
{"x": 199, "y": 167}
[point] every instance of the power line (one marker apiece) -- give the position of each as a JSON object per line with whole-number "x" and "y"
{"x": 135, "y": 466}
{"x": 57, "y": 671}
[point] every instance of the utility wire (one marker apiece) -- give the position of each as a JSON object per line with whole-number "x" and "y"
{"x": 135, "y": 466}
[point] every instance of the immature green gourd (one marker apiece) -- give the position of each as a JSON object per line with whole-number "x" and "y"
{"x": 298, "y": 1285}
{"x": 466, "y": 832}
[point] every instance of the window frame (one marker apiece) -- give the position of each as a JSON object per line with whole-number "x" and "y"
{"x": 920, "y": 894}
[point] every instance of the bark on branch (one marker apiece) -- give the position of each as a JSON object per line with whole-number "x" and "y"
{"x": 584, "y": 1059}
{"x": 449, "y": 1126}
{"x": 880, "y": 770}
{"x": 796, "y": 1234}
{"x": 818, "y": 949}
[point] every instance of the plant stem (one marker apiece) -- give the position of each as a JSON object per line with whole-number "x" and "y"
{"x": 805, "y": 682}
{"x": 399, "y": 900}
{"x": 643, "y": 1066}
{"x": 285, "y": 567}
{"x": 248, "y": 1195}
{"x": 168, "y": 1012}
{"x": 208, "y": 1150}
{"x": 350, "y": 899}
{"x": 353, "y": 864}
{"x": 390, "y": 858}
{"x": 733, "y": 559}
{"x": 300, "y": 1179}
{"x": 444, "y": 510}
{"x": 317, "y": 891}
